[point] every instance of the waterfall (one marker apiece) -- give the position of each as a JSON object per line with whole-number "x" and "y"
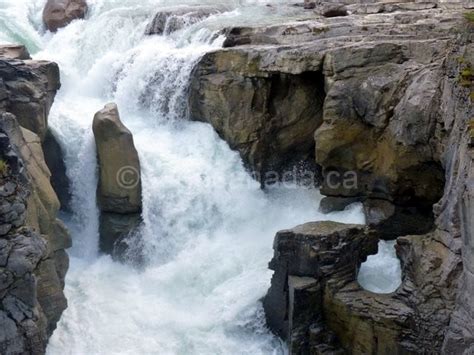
{"x": 208, "y": 227}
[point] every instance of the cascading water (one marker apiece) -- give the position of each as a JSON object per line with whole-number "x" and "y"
{"x": 208, "y": 228}
{"x": 381, "y": 273}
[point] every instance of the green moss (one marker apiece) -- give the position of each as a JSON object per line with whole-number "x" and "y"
{"x": 469, "y": 16}
{"x": 466, "y": 73}
{"x": 465, "y": 76}
{"x": 4, "y": 167}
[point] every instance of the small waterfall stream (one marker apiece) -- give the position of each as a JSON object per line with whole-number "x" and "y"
{"x": 208, "y": 228}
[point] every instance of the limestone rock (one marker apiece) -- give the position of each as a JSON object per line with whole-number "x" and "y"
{"x": 119, "y": 191}
{"x": 27, "y": 90}
{"x": 59, "y": 13}
{"x": 32, "y": 266}
{"x": 397, "y": 121}
{"x": 268, "y": 117}
{"x": 120, "y": 184}
{"x": 305, "y": 258}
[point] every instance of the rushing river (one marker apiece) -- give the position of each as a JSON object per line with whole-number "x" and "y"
{"x": 208, "y": 228}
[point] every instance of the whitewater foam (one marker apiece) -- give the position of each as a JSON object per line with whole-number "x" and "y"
{"x": 208, "y": 228}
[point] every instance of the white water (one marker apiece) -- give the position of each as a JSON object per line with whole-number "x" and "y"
{"x": 381, "y": 273}
{"x": 208, "y": 228}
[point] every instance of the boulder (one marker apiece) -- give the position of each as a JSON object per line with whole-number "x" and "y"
{"x": 59, "y": 13}
{"x": 119, "y": 190}
{"x": 119, "y": 183}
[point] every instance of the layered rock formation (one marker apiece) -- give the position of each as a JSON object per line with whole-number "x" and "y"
{"x": 33, "y": 240}
{"x": 268, "y": 114}
{"x": 310, "y": 261}
{"x": 119, "y": 191}
{"x": 60, "y": 13}
{"x": 385, "y": 91}
{"x": 27, "y": 90}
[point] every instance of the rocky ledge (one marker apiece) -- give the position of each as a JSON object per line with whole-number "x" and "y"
{"x": 379, "y": 97}
{"x": 33, "y": 260}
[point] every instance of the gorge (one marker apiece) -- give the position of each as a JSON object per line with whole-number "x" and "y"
{"x": 341, "y": 133}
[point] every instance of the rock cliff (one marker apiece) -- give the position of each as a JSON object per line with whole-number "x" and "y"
{"x": 33, "y": 240}
{"x": 379, "y": 96}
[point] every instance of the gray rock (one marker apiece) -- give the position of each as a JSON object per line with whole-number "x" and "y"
{"x": 32, "y": 266}
{"x": 307, "y": 258}
{"x": 29, "y": 88}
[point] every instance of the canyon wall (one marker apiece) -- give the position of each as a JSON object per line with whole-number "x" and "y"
{"x": 379, "y": 96}
{"x": 33, "y": 258}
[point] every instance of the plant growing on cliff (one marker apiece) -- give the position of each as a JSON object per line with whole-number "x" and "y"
{"x": 469, "y": 16}
{"x": 4, "y": 168}
{"x": 465, "y": 76}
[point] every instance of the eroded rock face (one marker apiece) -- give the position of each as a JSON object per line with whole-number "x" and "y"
{"x": 41, "y": 216}
{"x": 60, "y": 13}
{"x": 27, "y": 90}
{"x": 119, "y": 190}
{"x": 307, "y": 259}
{"x": 34, "y": 265}
{"x": 32, "y": 239}
{"x": 268, "y": 116}
{"x": 396, "y": 115}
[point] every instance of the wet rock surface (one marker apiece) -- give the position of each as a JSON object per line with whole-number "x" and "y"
{"x": 307, "y": 259}
{"x": 119, "y": 191}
